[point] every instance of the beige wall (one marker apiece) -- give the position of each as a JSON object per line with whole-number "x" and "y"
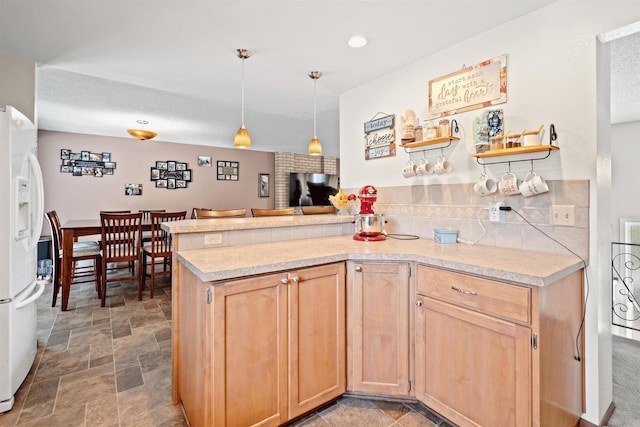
{"x": 18, "y": 85}
{"x": 78, "y": 197}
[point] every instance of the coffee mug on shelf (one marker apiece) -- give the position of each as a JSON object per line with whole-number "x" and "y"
{"x": 533, "y": 185}
{"x": 409, "y": 170}
{"x": 442, "y": 166}
{"x": 424, "y": 168}
{"x": 509, "y": 185}
{"x": 485, "y": 186}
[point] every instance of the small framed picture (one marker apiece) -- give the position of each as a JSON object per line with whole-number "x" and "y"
{"x": 263, "y": 185}
{"x": 65, "y": 153}
{"x": 85, "y": 156}
{"x": 161, "y": 183}
{"x": 186, "y": 175}
{"x": 204, "y": 161}
{"x": 181, "y": 166}
{"x": 108, "y": 171}
{"x": 77, "y": 171}
{"x": 106, "y": 157}
{"x": 161, "y": 165}
{"x": 66, "y": 168}
{"x": 110, "y": 165}
{"x": 171, "y": 166}
{"x": 95, "y": 157}
{"x": 98, "y": 172}
{"x": 75, "y": 156}
{"x": 133, "y": 189}
{"x": 155, "y": 174}
{"x": 171, "y": 183}
{"x": 181, "y": 183}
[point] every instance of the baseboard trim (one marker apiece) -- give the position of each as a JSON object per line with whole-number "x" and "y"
{"x": 603, "y": 422}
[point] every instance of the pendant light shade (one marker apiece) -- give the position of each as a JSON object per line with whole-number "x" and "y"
{"x": 141, "y": 133}
{"x": 315, "y": 148}
{"x": 243, "y": 139}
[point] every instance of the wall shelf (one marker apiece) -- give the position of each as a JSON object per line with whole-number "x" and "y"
{"x": 429, "y": 144}
{"x": 515, "y": 151}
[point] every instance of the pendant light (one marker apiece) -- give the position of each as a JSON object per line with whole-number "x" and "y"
{"x": 242, "y": 140}
{"x": 315, "y": 148}
{"x": 141, "y": 133}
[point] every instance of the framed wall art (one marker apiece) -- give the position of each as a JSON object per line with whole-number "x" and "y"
{"x": 86, "y": 163}
{"x": 228, "y": 171}
{"x": 263, "y": 185}
{"x": 170, "y": 174}
{"x": 204, "y": 161}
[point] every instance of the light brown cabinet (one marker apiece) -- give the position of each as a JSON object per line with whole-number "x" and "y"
{"x": 260, "y": 350}
{"x": 491, "y": 353}
{"x": 378, "y": 317}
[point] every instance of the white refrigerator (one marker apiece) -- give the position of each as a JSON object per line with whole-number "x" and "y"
{"x": 21, "y": 215}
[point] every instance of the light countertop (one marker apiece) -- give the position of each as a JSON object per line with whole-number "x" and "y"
{"x": 511, "y": 265}
{"x": 204, "y": 225}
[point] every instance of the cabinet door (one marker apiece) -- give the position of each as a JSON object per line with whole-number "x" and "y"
{"x": 379, "y": 328}
{"x": 192, "y": 347}
{"x": 250, "y": 352}
{"x": 472, "y": 368}
{"x": 317, "y": 323}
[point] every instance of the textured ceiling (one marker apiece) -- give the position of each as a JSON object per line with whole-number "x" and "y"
{"x": 104, "y": 64}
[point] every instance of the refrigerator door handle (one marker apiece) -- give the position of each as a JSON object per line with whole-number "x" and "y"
{"x": 33, "y": 296}
{"x": 38, "y": 216}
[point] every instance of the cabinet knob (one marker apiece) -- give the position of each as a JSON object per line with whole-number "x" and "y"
{"x": 419, "y": 303}
{"x": 295, "y": 279}
{"x": 358, "y": 269}
{"x": 284, "y": 281}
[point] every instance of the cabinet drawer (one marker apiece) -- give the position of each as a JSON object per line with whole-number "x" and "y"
{"x": 504, "y": 300}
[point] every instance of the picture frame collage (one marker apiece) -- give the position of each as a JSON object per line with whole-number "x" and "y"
{"x": 170, "y": 174}
{"x": 228, "y": 171}
{"x": 86, "y": 163}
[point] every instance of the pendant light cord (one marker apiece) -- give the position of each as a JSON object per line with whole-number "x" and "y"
{"x": 242, "y": 92}
{"x": 315, "y": 102}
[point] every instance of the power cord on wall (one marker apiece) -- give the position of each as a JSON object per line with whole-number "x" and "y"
{"x": 586, "y": 276}
{"x": 484, "y": 230}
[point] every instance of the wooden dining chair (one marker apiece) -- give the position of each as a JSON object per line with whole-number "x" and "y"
{"x": 116, "y": 212}
{"x": 159, "y": 247}
{"x": 317, "y": 210}
{"x": 82, "y": 251}
{"x": 212, "y": 213}
{"x": 271, "y": 212}
{"x": 121, "y": 238}
{"x": 146, "y": 213}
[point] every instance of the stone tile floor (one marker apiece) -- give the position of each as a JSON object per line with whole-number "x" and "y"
{"x": 111, "y": 366}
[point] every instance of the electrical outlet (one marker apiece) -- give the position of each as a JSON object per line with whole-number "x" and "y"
{"x": 563, "y": 215}
{"x": 495, "y": 214}
{"x": 213, "y": 239}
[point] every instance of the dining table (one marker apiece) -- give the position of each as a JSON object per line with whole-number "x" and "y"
{"x": 71, "y": 230}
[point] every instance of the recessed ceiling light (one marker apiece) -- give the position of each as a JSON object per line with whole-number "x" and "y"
{"x": 357, "y": 41}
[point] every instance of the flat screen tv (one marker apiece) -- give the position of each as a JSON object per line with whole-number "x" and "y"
{"x": 312, "y": 189}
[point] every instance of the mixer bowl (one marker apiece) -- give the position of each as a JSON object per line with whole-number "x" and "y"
{"x": 370, "y": 225}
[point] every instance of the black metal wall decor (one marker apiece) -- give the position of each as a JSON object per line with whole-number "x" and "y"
{"x": 86, "y": 163}
{"x": 170, "y": 174}
{"x": 228, "y": 171}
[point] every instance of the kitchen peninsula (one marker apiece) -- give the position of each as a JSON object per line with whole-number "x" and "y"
{"x": 265, "y": 332}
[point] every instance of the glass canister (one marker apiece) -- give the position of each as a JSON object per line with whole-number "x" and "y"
{"x": 430, "y": 131}
{"x": 418, "y": 134}
{"x": 444, "y": 128}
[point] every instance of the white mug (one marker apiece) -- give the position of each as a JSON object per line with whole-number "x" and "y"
{"x": 485, "y": 186}
{"x": 443, "y": 166}
{"x": 409, "y": 170}
{"x": 509, "y": 184}
{"x": 425, "y": 168}
{"x": 533, "y": 185}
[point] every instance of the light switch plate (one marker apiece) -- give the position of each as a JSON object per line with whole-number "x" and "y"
{"x": 563, "y": 215}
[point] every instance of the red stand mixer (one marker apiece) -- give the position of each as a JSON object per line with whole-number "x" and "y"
{"x": 369, "y": 225}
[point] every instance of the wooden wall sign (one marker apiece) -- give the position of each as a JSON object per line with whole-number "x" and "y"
{"x": 479, "y": 86}
{"x": 380, "y": 137}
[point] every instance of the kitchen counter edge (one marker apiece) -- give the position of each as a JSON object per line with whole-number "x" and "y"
{"x": 504, "y": 264}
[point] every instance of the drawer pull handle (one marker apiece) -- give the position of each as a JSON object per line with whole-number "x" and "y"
{"x": 462, "y": 291}
{"x": 284, "y": 281}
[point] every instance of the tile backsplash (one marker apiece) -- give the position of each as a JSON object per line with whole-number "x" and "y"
{"x": 418, "y": 210}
